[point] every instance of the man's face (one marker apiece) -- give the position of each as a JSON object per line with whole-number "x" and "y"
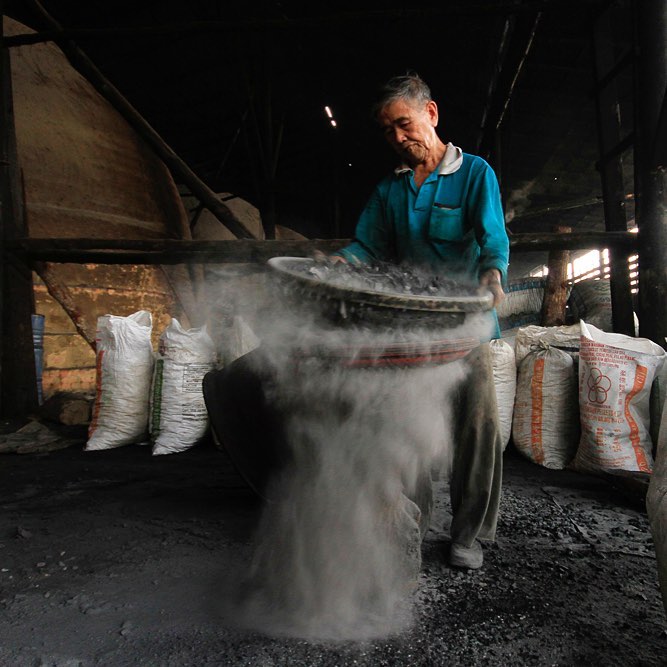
{"x": 409, "y": 128}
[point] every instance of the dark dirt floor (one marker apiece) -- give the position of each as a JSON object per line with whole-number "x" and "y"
{"x": 116, "y": 558}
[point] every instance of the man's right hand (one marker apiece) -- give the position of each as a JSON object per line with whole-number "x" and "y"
{"x": 491, "y": 279}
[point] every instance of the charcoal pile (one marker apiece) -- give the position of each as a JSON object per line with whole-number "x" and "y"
{"x": 388, "y": 278}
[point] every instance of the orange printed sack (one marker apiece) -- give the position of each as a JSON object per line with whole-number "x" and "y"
{"x": 545, "y": 426}
{"x": 615, "y": 377}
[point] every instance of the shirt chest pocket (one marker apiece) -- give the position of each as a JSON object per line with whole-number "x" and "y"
{"x": 446, "y": 224}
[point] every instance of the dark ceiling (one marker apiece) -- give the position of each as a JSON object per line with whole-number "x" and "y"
{"x": 222, "y": 81}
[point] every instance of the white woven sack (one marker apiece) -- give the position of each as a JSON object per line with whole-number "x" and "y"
{"x": 124, "y": 370}
{"x": 178, "y": 412}
{"x": 545, "y": 427}
{"x": 504, "y": 379}
{"x": 615, "y": 377}
{"x": 565, "y": 338}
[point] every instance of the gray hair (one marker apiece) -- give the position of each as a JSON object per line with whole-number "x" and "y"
{"x": 409, "y": 87}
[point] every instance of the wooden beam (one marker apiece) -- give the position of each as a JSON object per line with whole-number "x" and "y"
{"x": 518, "y": 39}
{"x": 499, "y": 63}
{"x": 616, "y": 151}
{"x": 326, "y": 22}
{"x": 62, "y": 294}
{"x": 171, "y": 251}
{"x": 557, "y": 208}
{"x": 626, "y": 60}
{"x": 164, "y": 251}
{"x": 574, "y": 241}
{"x": 81, "y": 62}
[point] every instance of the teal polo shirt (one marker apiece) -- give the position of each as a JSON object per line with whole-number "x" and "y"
{"x": 452, "y": 224}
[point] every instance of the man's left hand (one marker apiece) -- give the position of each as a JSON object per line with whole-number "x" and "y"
{"x": 321, "y": 258}
{"x": 491, "y": 280}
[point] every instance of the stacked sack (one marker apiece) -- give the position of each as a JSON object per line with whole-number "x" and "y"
{"x": 616, "y": 373}
{"x": 565, "y": 338}
{"x": 545, "y": 424}
{"x": 141, "y": 395}
{"x": 583, "y": 398}
{"x": 546, "y": 419}
{"x": 124, "y": 359}
{"x": 178, "y": 417}
{"x": 504, "y": 380}
{"x": 551, "y": 412}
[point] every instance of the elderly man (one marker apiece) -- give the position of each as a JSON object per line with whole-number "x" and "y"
{"x": 441, "y": 209}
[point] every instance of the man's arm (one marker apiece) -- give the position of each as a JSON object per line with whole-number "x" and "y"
{"x": 490, "y": 232}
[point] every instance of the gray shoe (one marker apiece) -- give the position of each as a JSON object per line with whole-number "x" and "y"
{"x": 470, "y": 558}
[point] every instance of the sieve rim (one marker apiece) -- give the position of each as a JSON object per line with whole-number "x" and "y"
{"x": 458, "y": 304}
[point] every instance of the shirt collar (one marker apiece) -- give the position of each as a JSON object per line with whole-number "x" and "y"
{"x": 451, "y": 162}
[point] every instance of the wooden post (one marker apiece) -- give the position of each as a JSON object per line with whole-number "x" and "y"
{"x": 18, "y": 385}
{"x": 651, "y": 168}
{"x": 555, "y": 290}
{"x": 611, "y": 173}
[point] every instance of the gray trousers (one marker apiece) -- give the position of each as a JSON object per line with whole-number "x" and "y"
{"x": 251, "y": 432}
{"x": 476, "y": 475}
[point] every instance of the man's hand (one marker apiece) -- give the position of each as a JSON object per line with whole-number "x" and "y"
{"x": 491, "y": 280}
{"x": 319, "y": 256}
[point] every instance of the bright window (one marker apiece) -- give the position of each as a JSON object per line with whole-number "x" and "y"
{"x": 593, "y": 265}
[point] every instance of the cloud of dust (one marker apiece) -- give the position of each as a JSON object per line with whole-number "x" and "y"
{"x": 337, "y": 551}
